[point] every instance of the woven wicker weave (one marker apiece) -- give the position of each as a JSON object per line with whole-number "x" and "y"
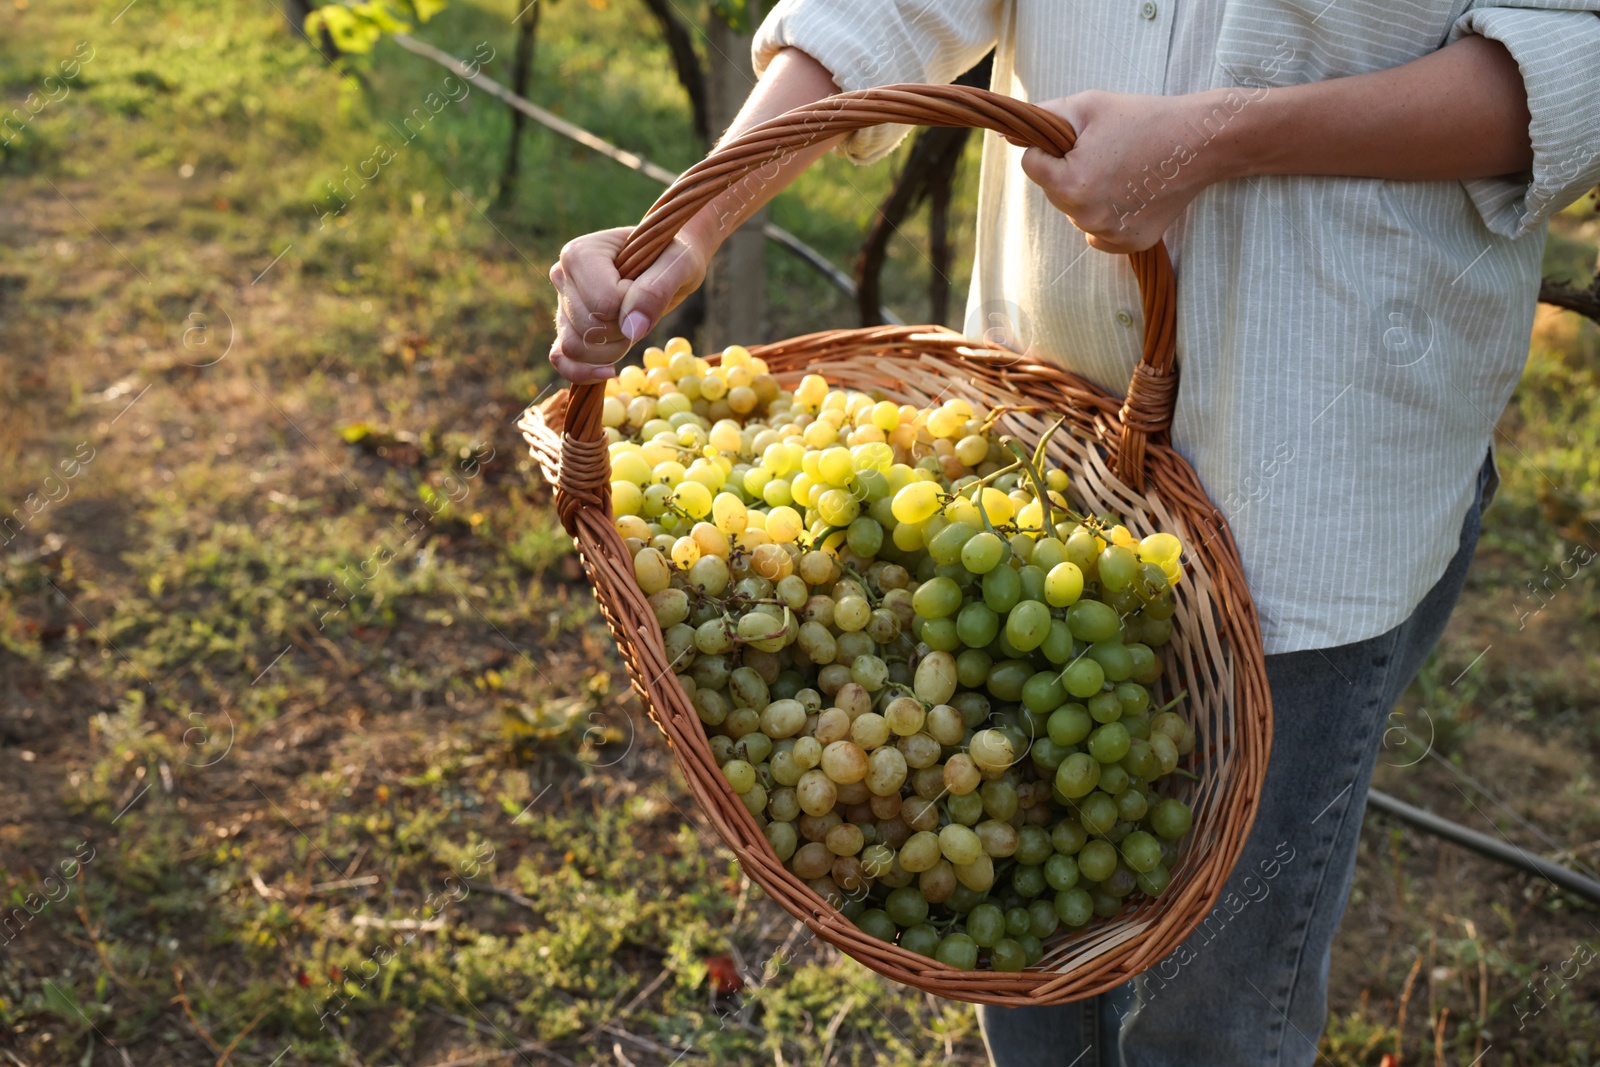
{"x": 1118, "y": 460}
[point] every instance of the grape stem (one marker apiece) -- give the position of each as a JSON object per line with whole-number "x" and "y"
{"x": 1169, "y": 705}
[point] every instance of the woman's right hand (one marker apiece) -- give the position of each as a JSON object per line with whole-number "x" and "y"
{"x": 599, "y": 314}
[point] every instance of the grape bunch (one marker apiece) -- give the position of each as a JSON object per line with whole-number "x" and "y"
{"x": 924, "y": 674}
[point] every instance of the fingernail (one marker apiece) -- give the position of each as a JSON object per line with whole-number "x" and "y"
{"x": 635, "y": 326}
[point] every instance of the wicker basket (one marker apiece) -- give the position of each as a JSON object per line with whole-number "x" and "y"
{"x": 1118, "y": 460}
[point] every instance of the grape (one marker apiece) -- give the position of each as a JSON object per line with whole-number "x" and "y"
{"x": 1097, "y": 860}
{"x": 1083, "y": 677}
{"x": 1109, "y": 743}
{"x": 922, "y": 939}
{"x": 983, "y": 553}
{"x": 1069, "y": 724}
{"x": 1008, "y": 955}
{"x": 1002, "y": 588}
{"x": 1078, "y": 774}
{"x": 958, "y": 951}
{"x": 960, "y": 845}
{"x": 906, "y": 906}
{"x": 1171, "y": 818}
{"x": 986, "y": 925}
{"x": 937, "y": 598}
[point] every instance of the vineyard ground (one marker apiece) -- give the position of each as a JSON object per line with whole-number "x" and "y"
{"x": 301, "y": 686}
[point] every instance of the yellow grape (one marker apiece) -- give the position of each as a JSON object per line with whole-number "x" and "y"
{"x": 784, "y": 524}
{"x": 729, "y": 513}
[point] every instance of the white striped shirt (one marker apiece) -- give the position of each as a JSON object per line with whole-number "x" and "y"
{"x": 1345, "y": 344}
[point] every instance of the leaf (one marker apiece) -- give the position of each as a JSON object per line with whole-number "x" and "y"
{"x": 64, "y": 1004}
{"x": 357, "y": 432}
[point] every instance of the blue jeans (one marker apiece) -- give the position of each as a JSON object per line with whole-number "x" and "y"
{"x": 1249, "y": 987}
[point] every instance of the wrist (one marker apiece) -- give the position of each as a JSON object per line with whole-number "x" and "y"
{"x": 1229, "y": 129}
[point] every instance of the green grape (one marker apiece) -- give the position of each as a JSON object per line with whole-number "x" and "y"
{"x": 1028, "y": 881}
{"x": 1105, "y": 904}
{"x": 983, "y": 552}
{"x": 1004, "y": 649}
{"x": 1043, "y": 692}
{"x": 864, "y": 536}
{"x": 1082, "y": 549}
{"x": 1150, "y": 582}
{"x": 906, "y": 906}
{"x": 1007, "y": 678}
{"x": 1117, "y": 566}
{"x": 1096, "y": 861}
{"x": 1017, "y": 921}
{"x": 958, "y": 951}
{"x": 1002, "y": 588}
{"x": 1155, "y": 633}
{"x": 946, "y": 546}
{"x": 1042, "y": 921}
{"x": 740, "y": 775}
{"x": 1060, "y": 872}
{"x": 1032, "y": 579}
{"x": 923, "y": 939}
{"x": 1058, "y": 646}
{"x": 1033, "y": 845}
{"x": 1078, "y": 774}
{"x": 936, "y": 598}
{"x": 1166, "y": 752}
{"x": 1113, "y": 778}
{"x": 942, "y": 635}
{"x": 1097, "y": 813}
{"x": 1131, "y": 804}
{"x": 1141, "y": 760}
{"x": 1027, "y": 625}
{"x": 965, "y": 809}
{"x": 977, "y": 625}
{"x": 1114, "y": 659}
{"x": 1007, "y": 955}
{"x": 1171, "y": 818}
{"x": 1141, "y": 852}
{"x": 986, "y": 925}
{"x": 1109, "y": 743}
{"x": 1068, "y": 837}
{"x": 1122, "y": 881}
{"x": 1105, "y": 707}
{"x": 963, "y": 900}
{"x": 1154, "y": 882}
{"x": 1090, "y": 620}
{"x": 1000, "y": 799}
{"x": 959, "y": 844}
{"x": 973, "y": 665}
{"x": 1074, "y": 907}
{"x": 1049, "y": 553}
{"x": 877, "y": 923}
{"x": 1083, "y": 677}
{"x": 1135, "y": 698}
{"x": 1047, "y": 756}
{"x": 1069, "y": 724}
{"x": 1063, "y": 585}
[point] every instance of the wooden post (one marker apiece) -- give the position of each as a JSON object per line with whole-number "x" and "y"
{"x": 521, "y": 69}
{"x": 736, "y": 285}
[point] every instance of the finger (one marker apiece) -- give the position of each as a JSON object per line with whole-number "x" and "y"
{"x": 574, "y": 371}
{"x": 589, "y": 268}
{"x": 673, "y": 276}
{"x": 595, "y": 343}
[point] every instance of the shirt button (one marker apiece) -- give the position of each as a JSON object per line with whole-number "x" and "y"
{"x": 1124, "y": 318}
{"x": 1148, "y": 9}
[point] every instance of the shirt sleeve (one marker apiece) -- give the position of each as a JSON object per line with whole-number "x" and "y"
{"x": 1556, "y": 44}
{"x": 867, "y": 43}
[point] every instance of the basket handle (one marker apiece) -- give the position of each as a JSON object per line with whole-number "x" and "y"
{"x": 585, "y": 466}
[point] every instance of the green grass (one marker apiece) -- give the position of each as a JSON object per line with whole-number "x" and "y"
{"x": 302, "y": 684}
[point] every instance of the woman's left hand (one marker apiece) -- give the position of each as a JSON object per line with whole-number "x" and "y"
{"x": 1138, "y": 162}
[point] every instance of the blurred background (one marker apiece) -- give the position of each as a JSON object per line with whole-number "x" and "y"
{"x": 313, "y": 747}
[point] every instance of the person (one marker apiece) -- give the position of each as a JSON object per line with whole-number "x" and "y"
{"x": 1354, "y": 195}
